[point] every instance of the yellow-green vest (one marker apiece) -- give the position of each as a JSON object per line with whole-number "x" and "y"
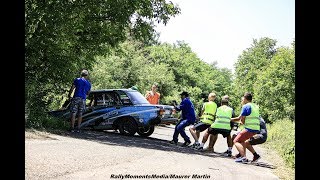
{"x": 241, "y": 127}
{"x": 223, "y": 118}
{"x": 208, "y": 115}
{"x": 252, "y": 121}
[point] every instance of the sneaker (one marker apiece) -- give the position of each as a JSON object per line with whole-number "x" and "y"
{"x": 227, "y": 153}
{"x": 199, "y": 148}
{"x": 173, "y": 142}
{"x": 195, "y": 145}
{"x": 72, "y": 130}
{"x": 242, "y": 160}
{"x": 186, "y": 143}
{"x": 238, "y": 155}
{"x": 256, "y": 158}
{"x": 245, "y": 160}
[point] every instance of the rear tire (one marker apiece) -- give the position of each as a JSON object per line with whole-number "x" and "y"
{"x": 127, "y": 126}
{"x": 146, "y": 131}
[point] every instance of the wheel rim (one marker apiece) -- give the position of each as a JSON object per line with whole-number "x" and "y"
{"x": 129, "y": 127}
{"x": 144, "y": 129}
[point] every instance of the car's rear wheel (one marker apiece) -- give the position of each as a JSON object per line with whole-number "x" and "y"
{"x": 127, "y": 126}
{"x": 146, "y": 131}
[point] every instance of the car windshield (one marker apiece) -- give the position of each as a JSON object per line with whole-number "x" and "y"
{"x": 137, "y": 98}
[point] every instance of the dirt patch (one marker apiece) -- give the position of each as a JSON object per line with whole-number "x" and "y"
{"x": 281, "y": 170}
{"x": 35, "y": 134}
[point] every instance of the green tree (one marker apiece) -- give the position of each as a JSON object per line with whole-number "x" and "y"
{"x": 128, "y": 66}
{"x": 251, "y": 63}
{"x": 62, "y": 37}
{"x": 190, "y": 72}
{"x": 275, "y": 87}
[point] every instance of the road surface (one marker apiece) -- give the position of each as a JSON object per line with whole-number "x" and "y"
{"x": 108, "y": 155}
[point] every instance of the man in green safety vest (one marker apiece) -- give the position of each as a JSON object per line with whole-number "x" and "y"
{"x": 233, "y": 125}
{"x": 207, "y": 117}
{"x": 249, "y": 118}
{"x": 221, "y": 125}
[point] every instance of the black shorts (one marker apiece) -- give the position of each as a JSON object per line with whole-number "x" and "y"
{"x": 200, "y": 126}
{"x": 215, "y": 131}
{"x": 232, "y": 124}
{"x": 257, "y": 139}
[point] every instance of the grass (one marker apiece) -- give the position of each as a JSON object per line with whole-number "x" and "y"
{"x": 280, "y": 148}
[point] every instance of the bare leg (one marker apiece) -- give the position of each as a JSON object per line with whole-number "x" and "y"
{"x": 211, "y": 141}
{"x": 198, "y": 134}
{"x": 249, "y": 147}
{"x": 214, "y": 139}
{"x": 233, "y": 136}
{"x": 193, "y": 133}
{"x": 229, "y": 141}
{"x": 241, "y": 148}
{"x": 205, "y": 137}
{"x": 79, "y": 120}
{"x": 73, "y": 119}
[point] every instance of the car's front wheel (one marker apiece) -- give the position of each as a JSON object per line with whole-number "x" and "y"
{"x": 127, "y": 126}
{"x": 146, "y": 131}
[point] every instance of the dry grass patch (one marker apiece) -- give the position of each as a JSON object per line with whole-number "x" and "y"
{"x": 281, "y": 170}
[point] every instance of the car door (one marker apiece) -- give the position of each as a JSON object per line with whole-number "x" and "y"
{"x": 104, "y": 106}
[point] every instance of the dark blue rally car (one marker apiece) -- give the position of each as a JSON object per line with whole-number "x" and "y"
{"x": 123, "y": 109}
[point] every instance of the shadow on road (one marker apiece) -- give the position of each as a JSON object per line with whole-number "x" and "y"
{"x": 116, "y": 139}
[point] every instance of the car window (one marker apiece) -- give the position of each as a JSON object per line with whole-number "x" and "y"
{"x": 106, "y": 99}
{"x": 137, "y": 98}
{"x": 124, "y": 98}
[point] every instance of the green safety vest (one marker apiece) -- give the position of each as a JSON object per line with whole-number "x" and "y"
{"x": 208, "y": 115}
{"x": 252, "y": 121}
{"x": 241, "y": 127}
{"x": 223, "y": 118}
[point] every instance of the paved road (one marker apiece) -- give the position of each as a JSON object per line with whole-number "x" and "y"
{"x": 109, "y": 155}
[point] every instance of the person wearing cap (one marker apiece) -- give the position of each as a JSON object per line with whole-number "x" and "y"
{"x": 134, "y": 88}
{"x": 250, "y": 119}
{"x": 81, "y": 88}
{"x": 153, "y": 96}
{"x": 221, "y": 125}
{"x": 188, "y": 117}
{"x": 208, "y": 113}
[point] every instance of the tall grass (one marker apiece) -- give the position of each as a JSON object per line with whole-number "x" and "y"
{"x": 281, "y": 137}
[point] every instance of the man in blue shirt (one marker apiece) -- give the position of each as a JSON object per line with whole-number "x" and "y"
{"x": 188, "y": 117}
{"x": 81, "y": 87}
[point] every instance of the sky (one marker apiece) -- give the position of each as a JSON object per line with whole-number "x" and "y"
{"x": 220, "y": 30}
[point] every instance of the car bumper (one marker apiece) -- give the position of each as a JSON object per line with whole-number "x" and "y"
{"x": 169, "y": 120}
{"x": 163, "y": 121}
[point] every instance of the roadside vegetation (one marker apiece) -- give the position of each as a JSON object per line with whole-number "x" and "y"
{"x": 281, "y": 138}
{"x": 120, "y": 51}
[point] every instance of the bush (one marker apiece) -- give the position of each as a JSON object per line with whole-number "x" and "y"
{"x": 281, "y": 137}
{"x": 41, "y": 120}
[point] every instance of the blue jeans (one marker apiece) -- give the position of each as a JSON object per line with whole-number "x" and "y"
{"x": 179, "y": 129}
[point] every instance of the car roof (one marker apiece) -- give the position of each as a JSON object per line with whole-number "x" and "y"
{"x": 109, "y": 90}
